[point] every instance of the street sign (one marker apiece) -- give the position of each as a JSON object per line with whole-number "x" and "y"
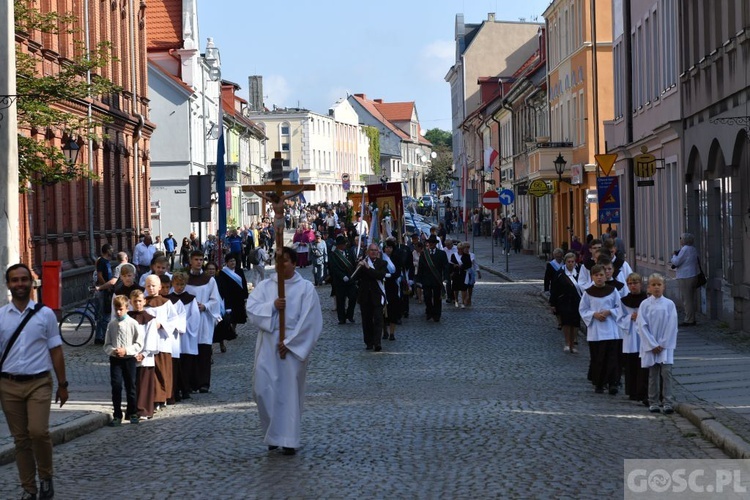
{"x": 507, "y": 197}
{"x": 645, "y": 165}
{"x": 523, "y": 189}
{"x": 491, "y": 200}
{"x": 433, "y": 186}
{"x": 538, "y": 188}
{"x": 606, "y": 162}
{"x": 608, "y": 190}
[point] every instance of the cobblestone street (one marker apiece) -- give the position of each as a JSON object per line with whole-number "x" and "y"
{"x": 483, "y": 404}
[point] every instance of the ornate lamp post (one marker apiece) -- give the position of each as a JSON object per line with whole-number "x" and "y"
{"x": 560, "y": 166}
{"x": 71, "y": 149}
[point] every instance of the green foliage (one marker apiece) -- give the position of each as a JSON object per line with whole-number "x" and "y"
{"x": 42, "y": 99}
{"x": 441, "y": 168}
{"x": 374, "y": 135}
{"x": 439, "y": 138}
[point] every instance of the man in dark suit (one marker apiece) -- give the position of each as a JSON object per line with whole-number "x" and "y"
{"x": 341, "y": 267}
{"x": 432, "y": 270}
{"x": 370, "y": 274}
{"x": 404, "y": 257}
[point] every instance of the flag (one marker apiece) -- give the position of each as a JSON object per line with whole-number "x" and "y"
{"x": 221, "y": 179}
{"x": 490, "y": 155}
{"x": 374, "y": 225}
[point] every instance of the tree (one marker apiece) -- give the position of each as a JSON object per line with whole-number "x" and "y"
{"x": 43, "y": 99}
{"x": 439, "y": 138}
{"x": 441, "y": 169}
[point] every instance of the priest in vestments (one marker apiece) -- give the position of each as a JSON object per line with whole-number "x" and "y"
{"x": 279, "y": 384}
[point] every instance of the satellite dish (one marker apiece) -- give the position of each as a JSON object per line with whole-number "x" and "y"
{"x": 423, "y": 158}
{"x": 433, "y": 155}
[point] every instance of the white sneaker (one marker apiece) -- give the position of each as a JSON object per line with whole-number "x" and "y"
{"x": 566, "y": 349}
{"x": 574, "y": 350}
{"x": 455, "y": 303}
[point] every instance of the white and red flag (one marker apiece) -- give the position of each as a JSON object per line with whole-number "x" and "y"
{"x": 490, "y": 155}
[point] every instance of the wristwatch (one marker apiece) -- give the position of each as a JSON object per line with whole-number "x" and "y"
{"x": 63, "y": 385}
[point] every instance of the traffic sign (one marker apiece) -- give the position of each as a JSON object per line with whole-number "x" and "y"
{"x": 491, "y": 200}
{"x": 538, "y": 188}
{"x": 433, "y": 186}
{"x": 608, "y": 190}
{"x": 606, "y": 162}
{"x": 507, "y": 197}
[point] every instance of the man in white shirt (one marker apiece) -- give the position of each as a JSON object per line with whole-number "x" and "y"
{"x": 363, "y": 229}
{"x": 26, "y": 381}
{"x": 686, "y": 264}
{"x": 142, "y": 255}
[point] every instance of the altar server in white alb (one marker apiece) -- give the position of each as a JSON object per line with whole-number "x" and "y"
{"x": 203, "y": 288}
{"x": 657, "y": 328}
{"x": 279, "y": 384}
{"x": 166, "y": 321}
{"x": 600, "y": 309}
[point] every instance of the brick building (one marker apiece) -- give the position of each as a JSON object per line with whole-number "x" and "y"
{"x": 70, "y": 221}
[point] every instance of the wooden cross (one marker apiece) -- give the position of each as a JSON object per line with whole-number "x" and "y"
{"x": 276, "y": 193}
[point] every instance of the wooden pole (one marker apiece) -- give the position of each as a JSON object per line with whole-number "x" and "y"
{"x": 278, "y": 192}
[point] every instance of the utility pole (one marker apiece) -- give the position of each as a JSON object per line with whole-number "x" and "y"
{"x": 9, "y": 225}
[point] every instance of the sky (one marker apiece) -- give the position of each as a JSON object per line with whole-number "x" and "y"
{"x": 311, "y": 53}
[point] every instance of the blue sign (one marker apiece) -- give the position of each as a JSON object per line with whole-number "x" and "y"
{"x": 433, "y": 186}
{"x": 608, "y": 192}
{"x": 507, "y": 197}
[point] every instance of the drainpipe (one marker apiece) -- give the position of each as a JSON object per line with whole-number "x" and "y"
{"x": 629, "y": 122}
{"x": 90, "y": 155}
{"x": 139, "y": 125}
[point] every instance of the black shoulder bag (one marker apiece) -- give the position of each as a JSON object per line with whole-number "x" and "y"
{"x": 15, "y": 335}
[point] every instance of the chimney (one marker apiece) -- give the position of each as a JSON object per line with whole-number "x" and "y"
{"x": 361, "y": 96}
{"x": 491, "y": 17}
{"x": 379, "y": 101}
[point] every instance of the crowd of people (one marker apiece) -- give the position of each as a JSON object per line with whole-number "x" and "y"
{"x": 630, "y": 332}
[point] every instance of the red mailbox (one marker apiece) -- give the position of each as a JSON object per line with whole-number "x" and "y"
{"x": 52, "y": 284}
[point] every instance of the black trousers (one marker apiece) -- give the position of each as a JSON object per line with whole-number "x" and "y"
{"x": 605, "y": 369}
{"x": 636, "y": 378}
{"x": 122, "y": 371}
{"x": 343, "y": 292}
{"x": 202, "y": 368}
{"x": 433, "y": 301}
{"x": 372, "y": 324}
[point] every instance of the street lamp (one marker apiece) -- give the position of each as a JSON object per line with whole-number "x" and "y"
{"x": 559, "y": 166}
{"x": 71, "y": 149}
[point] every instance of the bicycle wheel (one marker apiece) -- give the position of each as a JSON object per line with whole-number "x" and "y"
{"x": 76, "y": 328}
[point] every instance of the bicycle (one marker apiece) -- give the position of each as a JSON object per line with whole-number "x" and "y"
{"x": 78, "y": 326}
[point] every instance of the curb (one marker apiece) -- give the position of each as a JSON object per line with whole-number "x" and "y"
{"x": 713, "y": 430}
{"x": 63, "y": 433}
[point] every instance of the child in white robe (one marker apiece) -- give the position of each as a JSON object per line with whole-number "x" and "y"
{"x": 600, "y": 310}
{"x": 145, "y": 377}
{"x": 187, "y": 331}
{"x": 657, "y": 328}
{"x": 636, "y": 377}
{"x": 166, "y": 316}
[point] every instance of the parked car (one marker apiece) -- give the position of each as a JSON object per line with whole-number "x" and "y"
{"x": 428, "y": 201}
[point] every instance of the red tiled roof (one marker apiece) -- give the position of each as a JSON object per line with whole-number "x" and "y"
{"x": 371, "y": 108}
{"x": 164, "y": 25}
{"x": 396, "y": 111}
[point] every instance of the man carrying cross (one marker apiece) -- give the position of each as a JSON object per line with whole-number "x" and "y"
{"x": 281, "y": 363}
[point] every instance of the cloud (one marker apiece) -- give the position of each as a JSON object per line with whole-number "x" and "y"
{"x": 277, "y": 91}
{"x": 435, "y": 59}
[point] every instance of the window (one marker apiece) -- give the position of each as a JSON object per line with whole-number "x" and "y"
{"x": 284, "y": 129}
{"x": 285, "y": 147}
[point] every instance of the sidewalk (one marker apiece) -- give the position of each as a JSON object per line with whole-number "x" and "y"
{"x": 712, "y": 363}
